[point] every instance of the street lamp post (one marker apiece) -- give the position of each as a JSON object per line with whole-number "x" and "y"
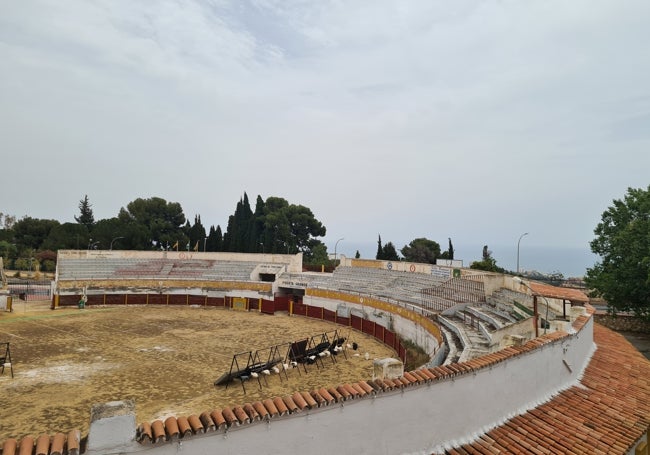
{"x": 518, "y": 242}
{"x": 262, "y": 245}
{"x": 205, "y": 239}
{"x": 335, "y": 245}
{"x": 116, "y": 238}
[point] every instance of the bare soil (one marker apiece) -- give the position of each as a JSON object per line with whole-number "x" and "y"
{"x": 164, "y": 358}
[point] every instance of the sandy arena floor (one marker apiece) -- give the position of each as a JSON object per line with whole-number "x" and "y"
{"x": 164, "y": 358}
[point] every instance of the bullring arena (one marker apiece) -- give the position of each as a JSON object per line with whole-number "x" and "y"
{"x": 515, "y": 366}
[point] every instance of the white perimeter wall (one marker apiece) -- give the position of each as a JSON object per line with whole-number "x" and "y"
{"x": 420, "y": 419}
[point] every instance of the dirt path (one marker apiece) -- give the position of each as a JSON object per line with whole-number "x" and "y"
{"x": 164, "y": 358}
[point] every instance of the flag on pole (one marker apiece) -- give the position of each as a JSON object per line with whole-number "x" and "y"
{"x": 175, "y": 245}
{"x": 196, "y": 247}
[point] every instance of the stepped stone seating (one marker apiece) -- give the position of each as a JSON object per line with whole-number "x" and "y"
{"x": 404, "y": 287}
{"x": 158, "y": 269}
{"x": 502, "y": 300}
{"x": 454, "y": 345}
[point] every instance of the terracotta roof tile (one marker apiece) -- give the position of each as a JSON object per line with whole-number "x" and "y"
{"x": 298, "y": 400}
{"x": 335, "y": 394}
{"x": 280, "y": 406}
{"x": 607, "y": 413}
{"x": 195, "y": 424}
{"x": 367, "y": 387}
{"x": 326, "y": 395}
{"x": 270, "y": 406}
{"x": 144, "y": 432}
{"x": 74, "y": 442}
{"x": 381, "y": 385}
{"x": 26, "y": 446}
{"x": 229, "y": 416}
{"x": 43, "y": 445}
{"x": 58, "y": 443}
{"x": 240, "y": 414}
{"x": 250, "y": 411}
{"x": 9, "y": 447}
{"x": 354, "y": 393}
{"x": 171, "y": 427}
{"x": 207, "y": 421}
{"x": 291, "y": 405}
{"x": 261, "y": 410}
{"x": 158, "y": 429}
{"x": 344, "y": 392}
{"x": 309, "y": 399}
{"x": 218, "y": 419}
{"x": 184, "y": 427}
{"x": 402, "y": 382}
{"x": 320, "y": 401}
{"x": 410, "y": 378}
{"x": 555, "y": 292}
{"x": 361, "y": 392}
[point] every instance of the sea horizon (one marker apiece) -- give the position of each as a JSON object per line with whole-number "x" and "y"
{"x": 571, "y": 262}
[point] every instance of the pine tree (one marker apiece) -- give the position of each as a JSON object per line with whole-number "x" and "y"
{"x": 450, "y": 251}
{"x": 86, "y": 216}
{"x": 389, "y": 253}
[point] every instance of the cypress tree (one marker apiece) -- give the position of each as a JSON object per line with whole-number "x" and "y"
{"x": 380, "y": 249}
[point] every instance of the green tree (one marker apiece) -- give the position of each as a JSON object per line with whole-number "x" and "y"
{"x": 380, "y": 249}
{"x": 47, "y": 260}
{"x": 67, "y": 236}
{"x": 197, "y": 234}
{"x": 215, "y": 239}
{"x": 449, "y": 254}
{"x": 622, "y": 277}
{"x": 7, "y": 221}
{"x": 357, "y": 255}
{"x": 161, "y": 221}
{"x": 257, "y": 233}
{"x": 488, "y": 263}
{"x": 240, "y": 228}
{"x": 8, "y": 251}
{"x": 121, "y": 234}
{"x": 319, "y": 255}
{"x": 421, "y": 250}
{"x": 389, "y": 253}
{"x": 303, "y": 230}
{"x": 86, "y": 216}
{"x": 32, "y": 232}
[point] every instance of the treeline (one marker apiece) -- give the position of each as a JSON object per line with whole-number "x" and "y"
{"x": 275, "y": 226}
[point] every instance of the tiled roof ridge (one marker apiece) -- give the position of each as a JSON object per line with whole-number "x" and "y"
{"x": 44, "y": 444}
{"x": 607, "y": 412}
{"x": 300, "y": 401}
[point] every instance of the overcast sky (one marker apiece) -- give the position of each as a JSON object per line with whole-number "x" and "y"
{"x": 475, "y": 120}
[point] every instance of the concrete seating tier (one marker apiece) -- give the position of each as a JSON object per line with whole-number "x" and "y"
{"x": 159, "y": 269}
{"x": 404, "y": 287}
{"x": 502, "y": 302}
